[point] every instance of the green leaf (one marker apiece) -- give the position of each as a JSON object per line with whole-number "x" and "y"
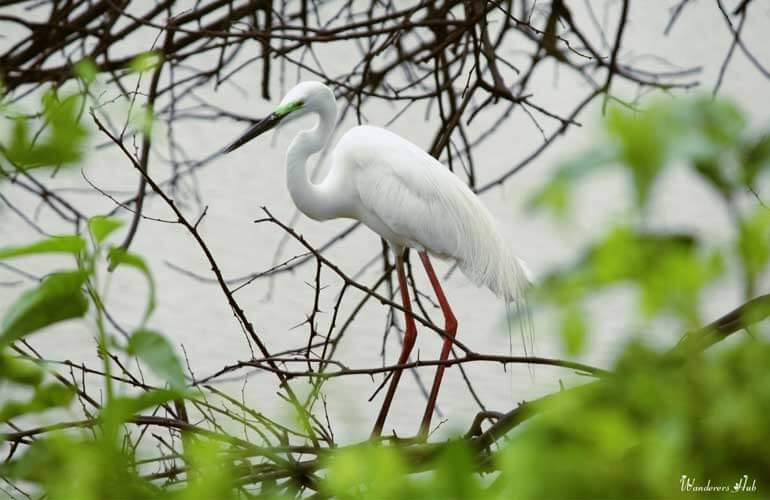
{"x": 697, "y": 130}
{"x": 711, "y": 170}
{"x": 86, "y": 70}
{"x": 58, "y": 297}
{"x": 80, "y": 466}
{"x": 121, "y": 409}
{"x": 45, "y": 397}
{"x": 58, "y": 244}
{"x": 118, "y": 256}
{"x": 214, "y": 476}
{"x": 101, "y": 227}
{"x": 143, "y": 120}
{"x": 19, "y": 370}
{"x": 753, "y": 242}
{"x": 62, "y": 140}
{"x": 573, "y": 331}
{"x": 145, "y": 62}
{"x": 124, "y": 407}
{"x": 720, "y": 121}
{"x": 677, "y": 282}
{"x": 642, "y": 142}
{"x": 156, "y": 351}
{"x": 669, "y": 270}
{"x": 453, "y": 473}
{"x": 755, "y": 157}
{"x": 378, "y": 470}
{"x": 556, "y": 194}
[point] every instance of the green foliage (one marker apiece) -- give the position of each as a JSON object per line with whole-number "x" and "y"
{"x": 375, "y": 471}
{"x": 118, "y": 256}
{"x": 753, "y": 243}
{"x": 358, "y": 473}
{"x": 574, "y": 330}
{"x": 156, "y": 352}
{"x": 755, "y": 158}
{"x": 121, "y": 409}
{"x": 19, "y": 370}
{"x": 642, "y": 145}
{"x": 44, "y": 397}
{"x": 146, "y": 62}
{"x": 59, "y": 297}
{"x": 86, "y": 466}
{"x": 653, "y": 421}
{"x": 143, "y": 120}
{"x": 84, "y": 469}
{"x": 86, "y": 70}
{"x": 668, "y": 271}
{"x": 556, "y": 194}
{"x": 213, "y": 477}
{"x": 631, "y": 435}
{"x": 451, "y": 479}
{"x": 708, "y": 134}
{"x": 624, "y": 256}
{"x": 62, "y": 140}
{"x": 59, "y": 244}
{"x": 98, "y": 463}
{"x": 101, "y": 227}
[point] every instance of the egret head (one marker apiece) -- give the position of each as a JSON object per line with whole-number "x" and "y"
{"x": 304, "y": 98}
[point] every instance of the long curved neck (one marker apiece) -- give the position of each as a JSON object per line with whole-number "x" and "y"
{"x": 311, "y": 199}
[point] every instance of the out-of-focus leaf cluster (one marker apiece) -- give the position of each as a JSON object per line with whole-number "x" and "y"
{"x": 669, "y": 271}
{"x": 633, "y": 435}
{"x": 709, "y": 135}
{"x": 97, "y": 463}
{"x": 86, "y": 466}
{"x": 55, "y": 137}
{"x": 657, "y": 418}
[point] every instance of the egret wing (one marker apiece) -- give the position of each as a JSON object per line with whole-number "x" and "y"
{"x": 424, "y": 205}
{"x": 412, "y": 194}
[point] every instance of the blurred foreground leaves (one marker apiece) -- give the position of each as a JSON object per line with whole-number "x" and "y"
{"x": 59, "y": 140}
{"x": 709, "y": 135}
{"x": 668, "y": 271}
{"x": 632, "y": 435}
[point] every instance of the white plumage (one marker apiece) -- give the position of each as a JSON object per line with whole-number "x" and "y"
{"x": 407, "y": 197}
{"x": 412, "y": 200}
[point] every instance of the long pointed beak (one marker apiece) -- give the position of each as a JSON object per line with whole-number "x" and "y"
{"x": 257, "y": 129}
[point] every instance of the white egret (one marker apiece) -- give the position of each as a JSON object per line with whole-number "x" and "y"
{"x": 406, "y": 196}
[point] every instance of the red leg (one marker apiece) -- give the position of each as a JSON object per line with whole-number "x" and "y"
{"x": 450, "y": 326}
{"x": 409, "y": 337}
